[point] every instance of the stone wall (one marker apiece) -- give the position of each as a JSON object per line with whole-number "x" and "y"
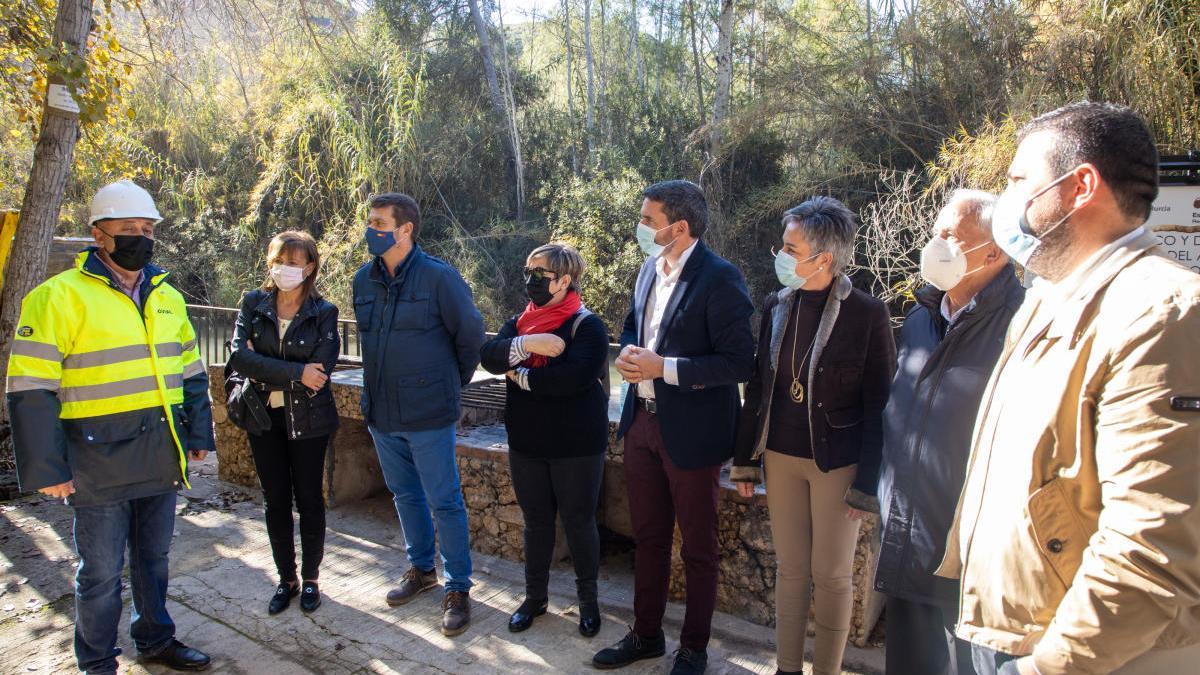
{"x": 747, "y": 586}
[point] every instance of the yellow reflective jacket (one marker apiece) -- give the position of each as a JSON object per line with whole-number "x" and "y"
{"x": 104, "y": 392}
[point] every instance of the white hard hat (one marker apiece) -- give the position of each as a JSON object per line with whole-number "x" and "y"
{"x": 123, "y": 199}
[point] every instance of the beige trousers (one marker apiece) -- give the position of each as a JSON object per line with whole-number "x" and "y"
{"x": 814, "y": 544}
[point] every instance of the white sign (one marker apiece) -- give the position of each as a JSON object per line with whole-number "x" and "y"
{"x": 59, "y": 97}
{"x": 1175, "y": 220}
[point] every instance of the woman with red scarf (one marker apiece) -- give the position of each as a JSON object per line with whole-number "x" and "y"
{"x": 555, "y": 355}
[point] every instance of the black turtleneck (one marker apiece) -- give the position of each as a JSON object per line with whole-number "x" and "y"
{"x": 789, "y": 420}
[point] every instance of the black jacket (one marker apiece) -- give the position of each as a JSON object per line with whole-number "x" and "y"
{"x": 420, "y": 335}
{"x": 706, "y": 326}
{"x": 927, "y": 432}
{"x": 853, "y": 357}
{"x": 565, "y": 411}
{"x": 312, "y": 337}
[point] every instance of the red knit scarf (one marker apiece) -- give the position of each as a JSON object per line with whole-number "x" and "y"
{"x": 546, "y": 320}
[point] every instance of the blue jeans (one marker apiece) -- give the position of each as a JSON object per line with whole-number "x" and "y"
{"x": 988, "y": 661}
{"x": 101, "y": 535}
{"x": 420, "y": 469}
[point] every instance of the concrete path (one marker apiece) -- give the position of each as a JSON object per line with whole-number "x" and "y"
{"x": 222, "y": 577}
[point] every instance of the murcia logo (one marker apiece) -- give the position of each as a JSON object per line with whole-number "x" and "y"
{"x": 25, "y": 331}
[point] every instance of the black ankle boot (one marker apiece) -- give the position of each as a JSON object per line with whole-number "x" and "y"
{"x": 589, "y": 608}
{"x": 589, "y": 620}
{"x": 523, "y": 618}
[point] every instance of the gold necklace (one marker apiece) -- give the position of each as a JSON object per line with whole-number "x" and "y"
{"x": 797, "y": 388}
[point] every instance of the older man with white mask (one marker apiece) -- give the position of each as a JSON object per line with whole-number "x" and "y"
{"x": 949, "y": 342}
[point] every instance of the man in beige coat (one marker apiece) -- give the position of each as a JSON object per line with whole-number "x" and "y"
{"x": 1077, "y": 540}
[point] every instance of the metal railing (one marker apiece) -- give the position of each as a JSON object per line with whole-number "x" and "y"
{"x": 214, "y": 329}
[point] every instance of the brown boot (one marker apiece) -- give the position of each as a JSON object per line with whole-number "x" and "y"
{"x": 413, "y": 583}
{"x": 456, "y": 613}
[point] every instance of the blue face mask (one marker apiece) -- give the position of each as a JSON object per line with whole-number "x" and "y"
{"x": 380, "y": 242}
{"x": 785, "y": 270}
{"x": 1010, "y": 226}
{"x": 646, "y": 237}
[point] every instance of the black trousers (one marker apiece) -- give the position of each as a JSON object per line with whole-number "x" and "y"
{"x": 568, "y": 487}
{"x": 920, "y": 640}
{"x": 286, "y": 468}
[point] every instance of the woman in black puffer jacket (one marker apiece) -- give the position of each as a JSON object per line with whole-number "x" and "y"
{"x": 286, "y": 342}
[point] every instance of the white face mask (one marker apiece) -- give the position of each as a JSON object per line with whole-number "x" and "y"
{"x": 646, "y": 238}
{"x": 286, "y": 277}
{"x": 944, "y": 263}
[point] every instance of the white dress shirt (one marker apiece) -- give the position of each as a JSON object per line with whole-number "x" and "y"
{"x": 664, "y": 286}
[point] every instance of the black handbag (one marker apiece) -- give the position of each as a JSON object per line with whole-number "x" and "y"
{"x": 243, "y": 404}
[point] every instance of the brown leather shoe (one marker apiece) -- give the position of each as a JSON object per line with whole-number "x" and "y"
{"x": 413, "y": 583}
{"x": 456, "y": 613}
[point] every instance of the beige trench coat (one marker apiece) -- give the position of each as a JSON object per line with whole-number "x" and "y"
{"x": 1077, "y": 536}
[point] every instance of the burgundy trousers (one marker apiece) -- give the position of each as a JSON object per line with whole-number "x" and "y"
{"x": 661, "y": 494}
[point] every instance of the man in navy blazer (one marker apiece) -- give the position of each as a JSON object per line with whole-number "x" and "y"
{"x": 686, "y": 344}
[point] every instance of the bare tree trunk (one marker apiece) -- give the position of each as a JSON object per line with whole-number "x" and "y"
{"x": 752, "y": 51}
{"x": 512, "y": 165}
{"x": 511, "y": 110}
{"x": 590, "y": 116}
{"x": 696, "y": 61}
{"x": 658, "y": 48}
{"x": 47, "y": 181}
{"x": 603, "y": 66}
{"x": 635, "y": 37}
{"x": 724, "y": 78}
{"x": 570, "y": 82}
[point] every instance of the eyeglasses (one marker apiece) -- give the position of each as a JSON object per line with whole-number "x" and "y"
{"x": 775, "y": 253}
{"x": 539, "y": 274}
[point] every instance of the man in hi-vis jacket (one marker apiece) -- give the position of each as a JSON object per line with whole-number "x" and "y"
{"x": 108, "y": 399}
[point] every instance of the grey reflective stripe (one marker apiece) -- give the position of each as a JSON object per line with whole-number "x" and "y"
{"x": 189, "y": 345}
{"x": 194, "y": 368}
{"x": 164, "y": 349}
{"x": 107, "y": 357}
{"x": 137, "y": 385}
{"x": 29, "y": 383}
{"x": 38, "y": 350}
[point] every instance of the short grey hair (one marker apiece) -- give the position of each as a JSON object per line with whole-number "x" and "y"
{"x": 562, "y": 259}
{"x": 976, "y": 207}
{"x": 827, "y": 226}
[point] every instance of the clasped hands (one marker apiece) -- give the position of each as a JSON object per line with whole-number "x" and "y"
{"x": 638, "y": 363}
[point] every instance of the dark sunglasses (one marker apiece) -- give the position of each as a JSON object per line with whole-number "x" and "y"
{"x": 539, "y": 274}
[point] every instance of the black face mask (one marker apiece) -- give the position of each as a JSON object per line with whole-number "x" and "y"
{"x": 132, "y": 252}
{"x": 538, "y": 290}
